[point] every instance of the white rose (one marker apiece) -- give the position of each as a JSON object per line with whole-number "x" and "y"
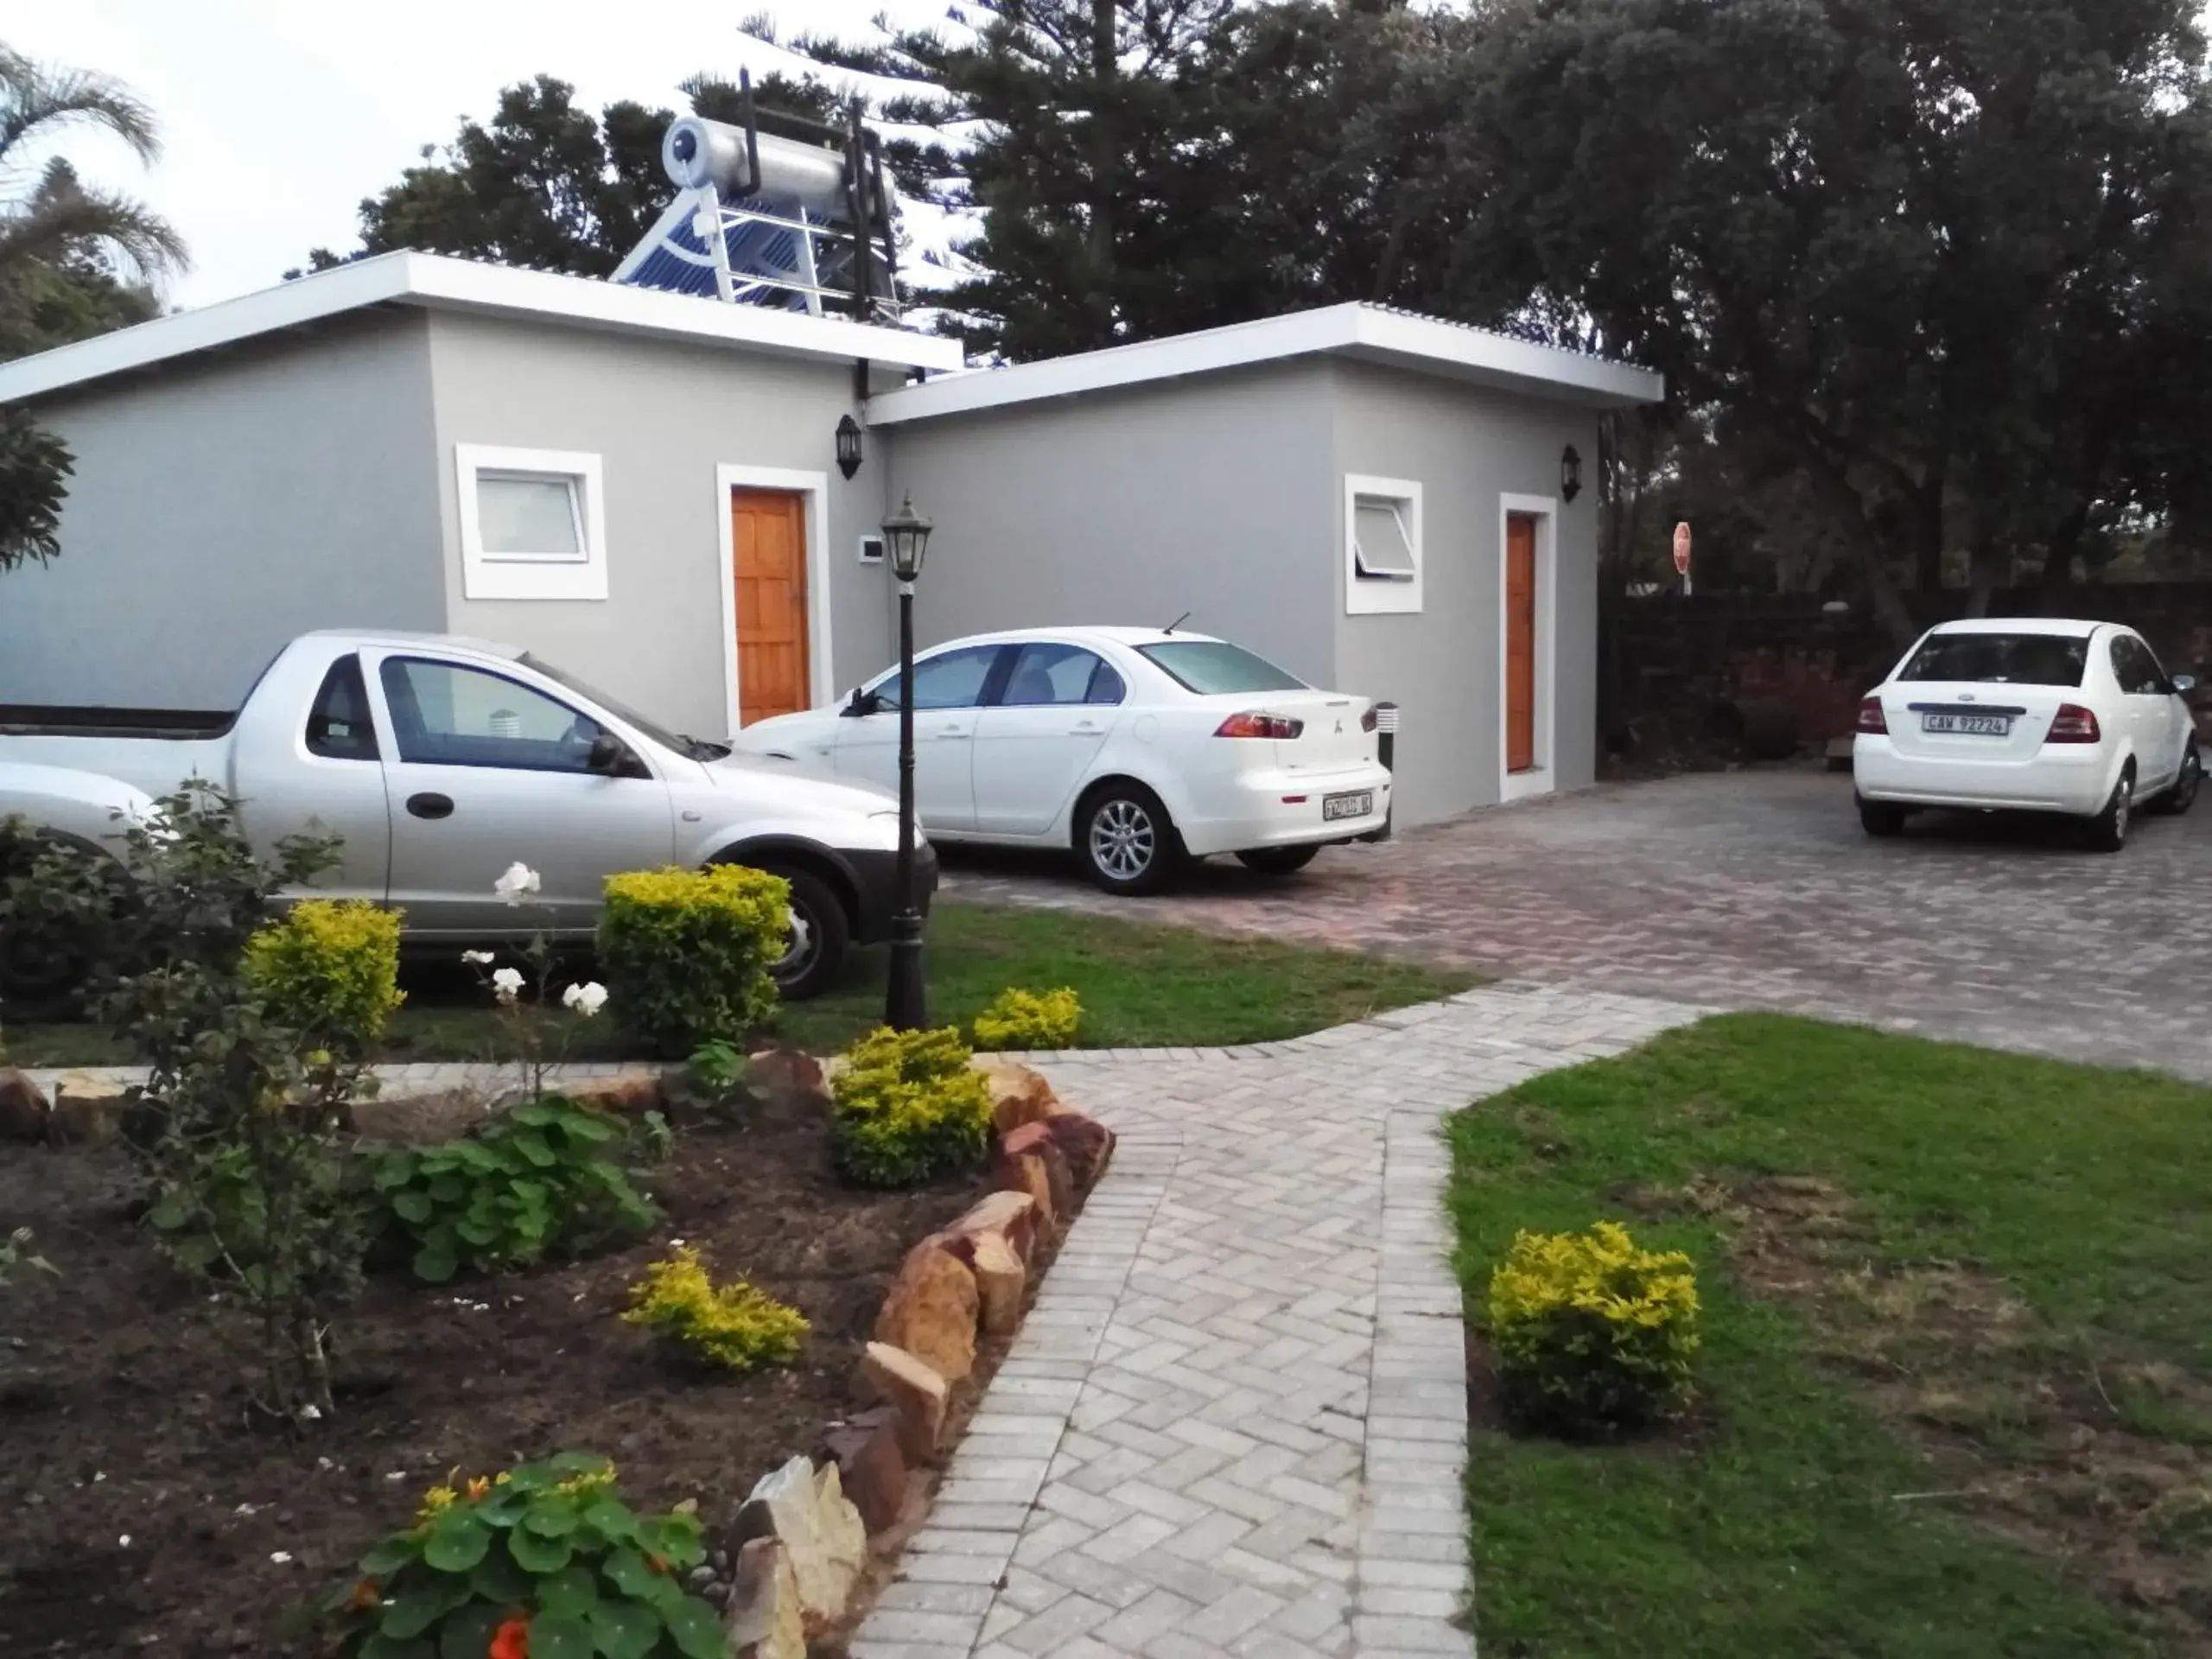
{"x": 517, "y": 884}
{"x": 585, "y": 1000}
{"x": 507, "y": 984}
{"x": 478, "y": 958}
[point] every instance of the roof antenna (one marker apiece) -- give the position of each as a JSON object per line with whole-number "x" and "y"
{"x": 1177, "y": 623}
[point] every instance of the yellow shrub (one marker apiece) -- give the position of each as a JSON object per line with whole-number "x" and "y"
{"x": 686, "y": 953}
{"x": 1019, "y": 1019}
{"x": 1593, "y": 1333}
{"x": 330, "y": 968}
{"x": 734, "y": 1325}
{"x": 906, "y": 1106}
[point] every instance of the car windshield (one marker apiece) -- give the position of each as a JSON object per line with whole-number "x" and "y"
{"x": 692, "y": 748}
{"x": 1211, "y": 668}
{"x": 2000, "y": 659}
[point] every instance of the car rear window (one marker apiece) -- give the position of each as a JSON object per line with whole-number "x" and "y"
{"x": 2000, "y": 659}
{"x": 1212, "y": 668}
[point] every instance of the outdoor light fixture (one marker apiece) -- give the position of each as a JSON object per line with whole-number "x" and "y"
{"x": 1570, "y": 473}
{"x": 906, "y": 539}
{"x": 848, "y": 446}
{"x": 905, "y": 999}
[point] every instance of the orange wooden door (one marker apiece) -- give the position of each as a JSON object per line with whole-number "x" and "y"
{"x": 768, "y": 543}
{"x": 1520, "y": 643}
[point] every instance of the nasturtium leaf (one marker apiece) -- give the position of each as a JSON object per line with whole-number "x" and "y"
{"x": 458, "y": 1541}
{"x": 537, "y": 1554}
{"x": 696, "y": 1627}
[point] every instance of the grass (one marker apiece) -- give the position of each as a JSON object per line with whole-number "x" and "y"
{"x": 1982, "y": 1249}
{"x": 1141, "y": 986}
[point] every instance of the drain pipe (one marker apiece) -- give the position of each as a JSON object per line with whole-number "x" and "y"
{"x": 1386, "y": 750}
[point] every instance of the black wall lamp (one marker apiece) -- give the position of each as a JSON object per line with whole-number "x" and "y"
{"x": 1570, "y": 473}
{"x": 848, "y": 446}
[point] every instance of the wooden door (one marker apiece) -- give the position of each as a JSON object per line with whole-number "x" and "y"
{"x": 768, "y": 544}
{"x": 1520, "y": 643}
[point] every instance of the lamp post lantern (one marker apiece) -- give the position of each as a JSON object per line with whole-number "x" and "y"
{"x": 906, "y": 1005}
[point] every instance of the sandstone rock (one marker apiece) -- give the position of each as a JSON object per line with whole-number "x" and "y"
{"x": 1032, "y": 1143}
{"x": 787, "y": 1074}
{"x": 1000, "y": 1280}
{"x": 1011, "y": 1215}
{"x": 23, "y": 1108}
{"x": 1087, "y": 1144}
{"x": 932, "y": 1310}
{"x": 917, "y": 1394}
{"x": 765, "y": 1620}
{"x": 87, "y": 1109}
{"x": 823, "y": 1537}
{"x": 1018, "y": 1096}
{"x": 870, "y": 1465}
{"x": 630, "y": 1097}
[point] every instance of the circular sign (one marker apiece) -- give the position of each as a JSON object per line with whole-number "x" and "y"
{"x": 1682, "y": 549}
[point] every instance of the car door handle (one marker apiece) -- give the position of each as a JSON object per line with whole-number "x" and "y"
{"x": 952, "y": 731}
{"x": 1084, "y": 729}
{"x": 430, "y": 806}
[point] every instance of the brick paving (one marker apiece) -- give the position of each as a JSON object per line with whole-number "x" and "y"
{"x": 1755, "y": 890}
{"x": 1236, "y": 1420}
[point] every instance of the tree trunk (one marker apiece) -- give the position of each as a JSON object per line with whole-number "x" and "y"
{"x": 1927, "y": 537}
{"x": 2065, "y": 547}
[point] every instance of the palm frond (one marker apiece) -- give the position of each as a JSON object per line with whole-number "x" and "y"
{"x": 66, "y": 216}
{"x": 37, "y": 100}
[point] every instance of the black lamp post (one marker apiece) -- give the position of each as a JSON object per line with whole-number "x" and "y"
{"x": 906, "y": 1005}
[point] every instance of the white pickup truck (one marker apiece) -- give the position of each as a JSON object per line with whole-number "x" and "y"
{"x": 440, "y": 761}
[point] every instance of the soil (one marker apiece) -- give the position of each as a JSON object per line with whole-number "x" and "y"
{"x": 142, "y": 1511}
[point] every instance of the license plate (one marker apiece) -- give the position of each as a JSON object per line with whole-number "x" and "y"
{"x": 1356, "y": 805}
{"x": 1968, "y": 725}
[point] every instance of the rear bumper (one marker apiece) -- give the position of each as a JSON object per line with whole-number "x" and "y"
{"x": 1271, "y": 808}
{"x": 875, "y": 886}
{"x": 2074, "y": 779}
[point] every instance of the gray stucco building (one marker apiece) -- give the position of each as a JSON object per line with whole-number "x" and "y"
{"x": 643, "y": 485}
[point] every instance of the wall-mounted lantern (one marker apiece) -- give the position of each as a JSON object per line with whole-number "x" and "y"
{"x": 1570, "y": 473}
{"x": 848, "y": 446}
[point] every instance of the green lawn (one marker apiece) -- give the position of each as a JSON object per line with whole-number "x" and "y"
{"x": 1981, "y": 1280}
{"x": 1140, "y": 986}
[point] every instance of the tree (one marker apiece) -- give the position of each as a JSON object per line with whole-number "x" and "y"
{"x": 75, "y": 260}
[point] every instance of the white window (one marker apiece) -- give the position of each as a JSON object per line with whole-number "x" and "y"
{"x": 1381, "y": 540}
{"x": 533, "y": 523}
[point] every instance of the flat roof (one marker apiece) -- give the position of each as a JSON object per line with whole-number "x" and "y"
{"x": 439, "y": 281}
{"x": 1368, "y": 333}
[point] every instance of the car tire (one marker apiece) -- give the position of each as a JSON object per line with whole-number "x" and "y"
{"x": 1880, "y": 819}
{"x": 1277, "y": 861}
{"x": 2180, "y": 795}
{"x": 2108, "y": 831}
{"x": 1126, "y": 841}
{"x": 821, "y": 940}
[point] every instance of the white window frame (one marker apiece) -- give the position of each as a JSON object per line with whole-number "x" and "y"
{"x": 532, "y": 575}
{"x": 1381, "y": 595}
{"x": 814, "y": 488}
{"x": 872, "y": 540}
{"x": 1542, "y": 776}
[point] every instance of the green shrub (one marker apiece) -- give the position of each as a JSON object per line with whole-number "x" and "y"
{"x": 544, "y": 1560}
{"x": 532, "y": 1182}
{"x": 906, "y": 1106}
{"x": 330, "y": 970}
{"x": 1594, "y": 1335}
{"x": 686, "y": 953}
{"x": 735, "y": 1325}
{"x": 1019, "y": 1019}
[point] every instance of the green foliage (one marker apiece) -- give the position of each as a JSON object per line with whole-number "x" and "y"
{"x": 687, "y": 953}
{"x": 34, "y": 469}
{"x": 1594, "y": 1335}
{"x": 330, "y": 970}
{"x": 1017, "y": 1020}
{"x": 716, "y": 1084}
{"x": 734, "y": 1325}
{"x": 907, "y": 1106}
{"x": 546, "y": 1560}
{"x": 534, "y": 1182}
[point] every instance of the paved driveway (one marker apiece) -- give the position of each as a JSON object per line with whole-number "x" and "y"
{"x": 1756, "y": 890}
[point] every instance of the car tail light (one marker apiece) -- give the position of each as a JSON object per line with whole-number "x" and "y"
{"x": 1368, "y": 720}
{"x": 1274, "y": 726}
{"x": 1871, "y": 718}
{"x": 2073, "y": 724}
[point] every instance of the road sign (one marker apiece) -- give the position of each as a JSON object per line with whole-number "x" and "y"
{"x": 1682, "y": 549}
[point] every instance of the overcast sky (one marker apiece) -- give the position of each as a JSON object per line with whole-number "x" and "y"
{"x": 280, "y": 115}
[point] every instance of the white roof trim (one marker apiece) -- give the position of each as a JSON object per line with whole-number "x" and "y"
{"x": 438, "y": 281}
{"x": 1371, "y": 334}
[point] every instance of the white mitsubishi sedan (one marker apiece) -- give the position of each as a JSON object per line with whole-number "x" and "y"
{"x": 1133, "y": 746}
{"x": 2028, "y": 713}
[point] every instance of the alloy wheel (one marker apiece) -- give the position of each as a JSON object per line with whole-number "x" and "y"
{"x": 1124, "y": 842}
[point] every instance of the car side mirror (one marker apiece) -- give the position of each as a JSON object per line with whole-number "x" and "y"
{"x": 2183, "y": 684}
{"x": 862, "y": 701}
{"x": 609, "y": 756}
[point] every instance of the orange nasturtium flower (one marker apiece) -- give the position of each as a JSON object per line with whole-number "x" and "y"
{"x": 478, "y": 1488}
{"x": 365, "y": 1595}
{"x": 511, "y": 1640}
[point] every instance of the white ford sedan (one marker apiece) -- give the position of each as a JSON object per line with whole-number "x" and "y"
{"x": 2028, "y": 713}
{"x": 1133, "y": 746}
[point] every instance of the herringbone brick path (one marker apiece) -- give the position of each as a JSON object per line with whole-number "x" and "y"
{"x": 1236, "y": 1420}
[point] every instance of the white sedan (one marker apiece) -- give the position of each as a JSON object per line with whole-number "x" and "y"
{"x": 2028, "y": 713}
{"x": 1134, "y": 746}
